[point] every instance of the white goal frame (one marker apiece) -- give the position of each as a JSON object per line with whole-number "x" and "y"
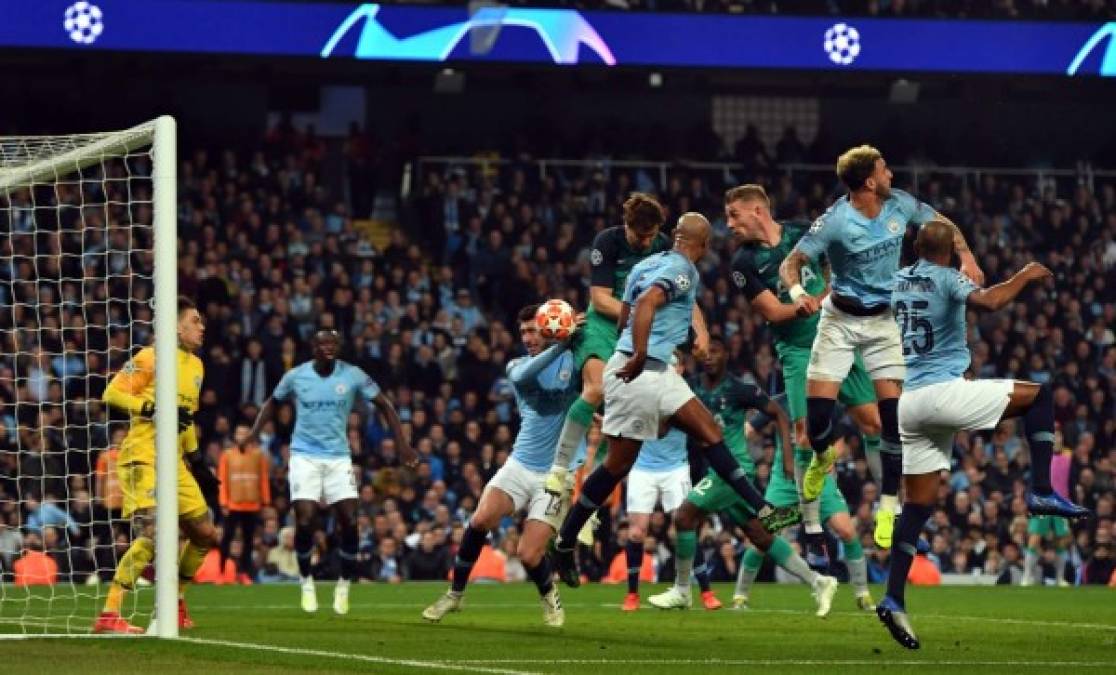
{"x": 161, "y": 135}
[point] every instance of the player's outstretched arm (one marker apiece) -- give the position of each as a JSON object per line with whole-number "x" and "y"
{"x": 406, "y": 452}
{"x": 524, "y": 370}
{"x": 262, "y": 418}
{"x": 773, "y": 311}
{"x": 1000, "y": 295}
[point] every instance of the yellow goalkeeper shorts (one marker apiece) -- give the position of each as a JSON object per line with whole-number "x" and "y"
{"x": 137, "y": 482}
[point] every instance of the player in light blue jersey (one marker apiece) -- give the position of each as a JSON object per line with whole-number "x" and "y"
{"x": 321, "y": 468}
{"x": 930, "y": 301}
{"x": 643, "y": 394}
{"x": 862, "y": 236}
{"x": 661, "y": 474}
{"x": 545, "y": 382}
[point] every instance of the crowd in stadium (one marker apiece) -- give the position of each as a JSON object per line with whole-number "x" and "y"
{"x": 270, "y": 254}
{"x": 1041, "y": 10}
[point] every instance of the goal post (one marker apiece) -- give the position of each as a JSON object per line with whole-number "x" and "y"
{"x": 88, "y": 275}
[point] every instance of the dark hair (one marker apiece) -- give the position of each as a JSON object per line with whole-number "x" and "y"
{"x": 643, "y": 213}
{"x": 856, "y": 165}
{"x": 747, "y": 193}
{"x": 185, "y": 303}
{"x": 527, "y": 313}
{"x": 719, "y": 340}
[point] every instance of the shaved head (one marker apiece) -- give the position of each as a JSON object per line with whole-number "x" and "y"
{"x": 935, "y": 241}
{"x": 692, "y": 234}
{"x": 694, "y": 227}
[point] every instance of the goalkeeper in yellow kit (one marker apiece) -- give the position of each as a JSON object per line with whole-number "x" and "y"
{"x": 132, "y": 390}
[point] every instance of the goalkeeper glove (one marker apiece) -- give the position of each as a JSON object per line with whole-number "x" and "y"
{"x": 556, "y": 481}
{"x": 185, "y": 417}
{"x": 209, "y": 484}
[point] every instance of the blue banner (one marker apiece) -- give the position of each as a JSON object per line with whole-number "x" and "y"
{"x": 560, "y": 36}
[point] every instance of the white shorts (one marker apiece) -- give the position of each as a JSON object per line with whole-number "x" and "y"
{"x": 527, "y": 491}
{"x": 930, "y": 416}
{"x": 635, "y": 409}
{"x": 318, "y": 479}
{"x": 647, "y": 488}
{"x": 839, "y": 337}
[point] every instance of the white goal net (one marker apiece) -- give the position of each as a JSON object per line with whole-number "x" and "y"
{"x": 77, "y": 284}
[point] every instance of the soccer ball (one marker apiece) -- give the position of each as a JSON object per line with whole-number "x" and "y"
{"x": 842, "y": 43}
{"x": 555, "y": 319}
{"x": 83, "y": 22}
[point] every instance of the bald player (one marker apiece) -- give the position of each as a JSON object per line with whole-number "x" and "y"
{"x": 930, "y": 302}
{"x": 643, "y": 394}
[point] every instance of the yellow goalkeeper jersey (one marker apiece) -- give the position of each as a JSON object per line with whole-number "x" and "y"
{"x": 135, "y": 384}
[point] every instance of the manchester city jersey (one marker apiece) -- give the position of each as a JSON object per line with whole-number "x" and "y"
{"x": 678, "y": 278}
{"x": 545, "y": 385}
{"x": 663, "y": 454}
{"x": 929, "y": 303}
{"x": 322, "y": 406}
{"x": 864, "y": 252}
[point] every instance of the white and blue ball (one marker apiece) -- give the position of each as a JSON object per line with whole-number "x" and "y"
{"x": 84, "y": 22}
{"x": 842, "y": 43}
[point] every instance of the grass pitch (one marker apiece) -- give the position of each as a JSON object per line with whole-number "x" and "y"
{"x": 260, "y": 629}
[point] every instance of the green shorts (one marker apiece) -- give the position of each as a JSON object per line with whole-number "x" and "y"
{"x": 782, "y": 492}
{"x": 598, "y": 340}
{"x": 714, "y": 495}
{"x": 1048, "y": 526}
{"x": 857, "y": 389}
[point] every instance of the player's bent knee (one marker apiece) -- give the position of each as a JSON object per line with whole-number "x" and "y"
{"x": 686, "y": 517}
{"x": 143, "y": 523}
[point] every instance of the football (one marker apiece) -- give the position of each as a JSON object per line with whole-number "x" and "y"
{"x": 555, "y": 319}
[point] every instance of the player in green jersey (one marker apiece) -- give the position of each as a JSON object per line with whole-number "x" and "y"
{"x": 616, "y": 251}
{"x": 765, "y": 242}
{"x": 729, "y": 398}
{"x": 782, "y": 490}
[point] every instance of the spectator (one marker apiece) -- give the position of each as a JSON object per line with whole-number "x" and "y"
{"x": 428, "y": 562}
{"x": 34, "y": 567}
{"x": 282, "y": 561}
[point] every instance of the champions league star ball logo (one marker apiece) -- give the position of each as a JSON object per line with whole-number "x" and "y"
{"x": 83, "y": 22}
{"x": 842, "y": 43}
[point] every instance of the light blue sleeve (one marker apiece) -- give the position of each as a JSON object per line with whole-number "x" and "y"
{"x": 285, "y": 387}
{"x": 369, "y": 390}
{"x": 917, "y": 212}
{"x": 821, "y": 234}
{"x": 523, "y": 371}
{"x": 958, "y": 286}
{"x": 674, "y": 277}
